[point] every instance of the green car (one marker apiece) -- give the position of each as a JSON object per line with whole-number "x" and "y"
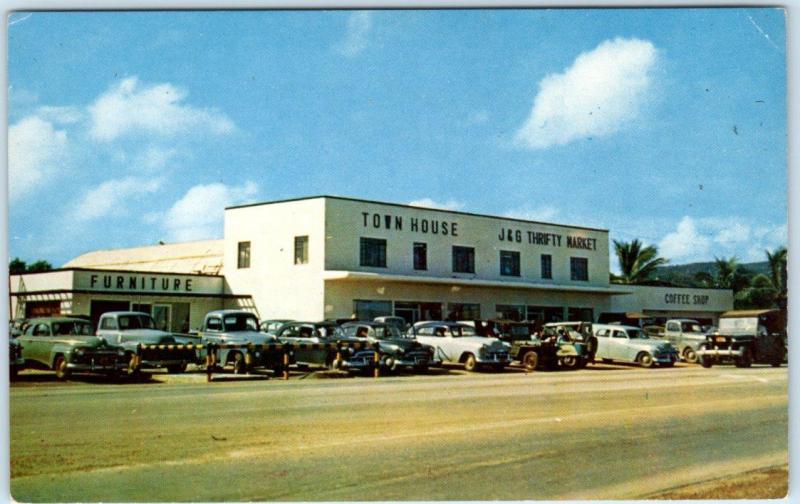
{"x": 66, "y": 345}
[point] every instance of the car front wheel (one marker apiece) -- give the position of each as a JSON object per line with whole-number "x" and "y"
{"x": 646, "y": 360}
{"x": 746, "y": 360}
{"x": 470, "y": 363}
{"x": 689, "y": 355}
{"x": 530, "y": 360}
{"x": 60, "y": 367}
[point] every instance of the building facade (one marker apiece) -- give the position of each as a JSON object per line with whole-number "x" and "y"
{"x": 330, "y": 257}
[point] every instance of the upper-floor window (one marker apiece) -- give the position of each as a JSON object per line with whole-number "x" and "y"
{"x": 547, "y": 266}
{"x": 373, "y": 252}
{"x": 463, "y": 259}
{"x": 244, "y": 255}
{"x": 301, "y": 249}
{"x": 509, "y": 263}
{"x": 420, "y": 256}
{"x": 579, "y": 268}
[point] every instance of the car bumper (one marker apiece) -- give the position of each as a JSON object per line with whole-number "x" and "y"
{"x": 720, "y": 353}
{"x": 164, "y": 363}
{"x": 93, "y": 367}
{"x": 497, "y": 360}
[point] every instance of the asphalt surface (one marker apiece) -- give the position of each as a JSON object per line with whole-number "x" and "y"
{"x": 604, "y": 432}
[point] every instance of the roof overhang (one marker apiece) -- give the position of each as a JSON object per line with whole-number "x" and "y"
{"x": 360, "y": 276}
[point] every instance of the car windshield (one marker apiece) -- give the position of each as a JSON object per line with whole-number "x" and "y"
{"x": 240, "y": 322}
{"x": 386, "y": 332}
{"x": 636, "y": 334}
{"x": 72, "y": 328}
{"x": 519, "y": 330}
{"x": 691, "y": 327}
{"x": 136, "y": 322}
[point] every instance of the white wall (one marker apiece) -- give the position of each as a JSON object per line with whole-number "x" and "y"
{"x": 280, "y": 289}
{"x": 346, "y": 223}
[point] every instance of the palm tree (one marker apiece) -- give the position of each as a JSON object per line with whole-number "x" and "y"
{"x": 636, "y": 262}
{"x": 730, "y": 274}
{"x": 778, "y": 275}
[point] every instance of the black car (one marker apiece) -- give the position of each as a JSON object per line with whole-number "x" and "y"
{"x": 395, "y": 350}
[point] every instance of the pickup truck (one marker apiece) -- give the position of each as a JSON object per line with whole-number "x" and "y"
{"x": 746, "y": 337}
{"x": 686, "y": 335}
{"x": 128, "y": 329}
{"x": 240, "y": 329}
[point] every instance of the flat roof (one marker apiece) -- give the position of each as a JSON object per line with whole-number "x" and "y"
{"x": 399, "y": 205}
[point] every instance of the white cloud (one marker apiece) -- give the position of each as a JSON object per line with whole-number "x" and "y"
{"x": 601, "y": 92}
{"x": 685, "y": 243}
{"x": 200, "y": 213}
{"x": 154, "y": 158}
{"x": 60, "y": 115}
{"x": 130, "y": 108}
{"x": 545, "y": 213}
{"x": 429, "y": 203}
{"x": 35, "y": 149}
{"x": 359, "y": 24}
{"x": 111, "y": 197}
{"x": 705, "y": 238}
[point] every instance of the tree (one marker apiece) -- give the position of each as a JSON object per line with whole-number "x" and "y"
{"x": 16, "y": 266}
{"x": 39, "y": 266}
{"x": 636, "y": 262}
{"x": 778, "y": 275}
{"x": 730, "y": 274}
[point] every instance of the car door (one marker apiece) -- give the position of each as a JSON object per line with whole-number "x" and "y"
{"x": 603, "y": 344}
{"x": 619, "y": 345}
{"x": 674, "y": 334}
{"x": 36, "y": 343}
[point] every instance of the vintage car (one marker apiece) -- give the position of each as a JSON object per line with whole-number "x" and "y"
{"x": 17, "y": 326}
{"x": 745, "y": 337}
{"x": 396, "y": 351}
{"x": 574, "y": 343}
{"x": 272, "y": 326}
{"x": 398, "y": 322}
{"x": 15, "y": 361}
{"x": 320, "y": 343}
{"x": 686, "y": 335}
{"x": 68, "y": 345}
{"x": 459, "y": 343}
{"x": 130, "y": 329}
{"x": 239, "y": 329}
{"x": 630, "y": 344}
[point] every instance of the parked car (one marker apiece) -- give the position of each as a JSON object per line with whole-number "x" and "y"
{"x": 272, "y": 326}
{"x": 630, "y": 344}
{"x": 745, "y": 337}
{"x": 574, "y": 343}
{"x": 396, "y": 351}
{"x": 686, "y": 335}
{"x": 240, "y": 328}
{"x": 15, "y": 361}
{"x": 16, "y": 327}
{"x": 130, "y": 329}
{"x": 459, "y": 343}
{"x": 68, "y": 345}
{"x": 398, "y": 322}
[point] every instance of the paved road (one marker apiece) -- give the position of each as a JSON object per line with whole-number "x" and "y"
{"x": 597, "y": 433}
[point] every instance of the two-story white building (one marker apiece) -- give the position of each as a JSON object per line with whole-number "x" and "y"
{"x": 333, "y": 257}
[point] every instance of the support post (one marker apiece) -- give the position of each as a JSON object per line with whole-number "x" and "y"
{"x": 377, "y": 362}
{"x": 209, "y": 361}
{"x": 285, "y": 362}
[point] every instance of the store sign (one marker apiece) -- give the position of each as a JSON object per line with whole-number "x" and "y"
{"x": 147, "y": 283}
{"x": 413, "y": 224}
{"x": 672, "y": 298}
{"x": 549, "y": 239}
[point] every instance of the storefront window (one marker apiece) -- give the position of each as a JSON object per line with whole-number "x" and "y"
{"x": 545, "y": 314}
{"x": 244, "y": 255}
{"x": 301, "y": 249}
{"x": 373, "y": 252}
{"x": 463, "y": 311}
{"x": 463, "y": 259}
{"x": 547, "y": 266}
{"x": 509, "y": 263}
{"x": 368, "y": 310}
{"x": 420, "y": 256}
{"x": 579, "y": 268}
{"x": 580, "y": 315}
{"x": 510, "y": 312}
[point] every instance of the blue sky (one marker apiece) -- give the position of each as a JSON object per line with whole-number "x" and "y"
{"x": 667, "y": 125}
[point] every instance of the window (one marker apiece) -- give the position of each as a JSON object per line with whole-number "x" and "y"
{"x": 579, "y": 268}
{"x": 463, "y": 259}
{"x": 214, "y": 324}
{"x": 244, "y": 255}
{"x": 673, "y": 326}
{"x": 546, "y": 314}
{"x": 547, "y": 266}
{"x": 142, "y": 307}
{"x": 509, "y": 263}
{"x": 109, "y": 323}
{"x": 301, "y": 249}
{"x": 619, "y": 334}
{"x": 463, "y": 311}
{"x": 373, "y": 252}
{"x": 580, "y": 314}
{"x": 368, "y": 310}
{"x": 420, "y": 256}
{"x": 510, "y": 312}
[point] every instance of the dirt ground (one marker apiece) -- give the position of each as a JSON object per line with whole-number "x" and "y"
{"x": 768, "y": 483}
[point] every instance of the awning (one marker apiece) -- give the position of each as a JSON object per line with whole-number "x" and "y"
{"x": 745, "y": 313}
{"x": 466, "y": 282}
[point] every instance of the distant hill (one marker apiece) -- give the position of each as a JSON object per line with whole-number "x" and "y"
{"x": 708, "y": 267}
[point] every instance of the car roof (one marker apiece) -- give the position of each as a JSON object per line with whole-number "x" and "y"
{"x": 230, "y": 312}
{"x": 425, "y": 323}
{"x": 615, "y": 326}
{"x": 126, "y": 312}
{"x": 40, "y": 320}
{"x": 369, "y": 323}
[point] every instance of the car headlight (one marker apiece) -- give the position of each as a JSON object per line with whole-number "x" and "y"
{"x": 482, "y": 350}
{"x": 79, "y": 352}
